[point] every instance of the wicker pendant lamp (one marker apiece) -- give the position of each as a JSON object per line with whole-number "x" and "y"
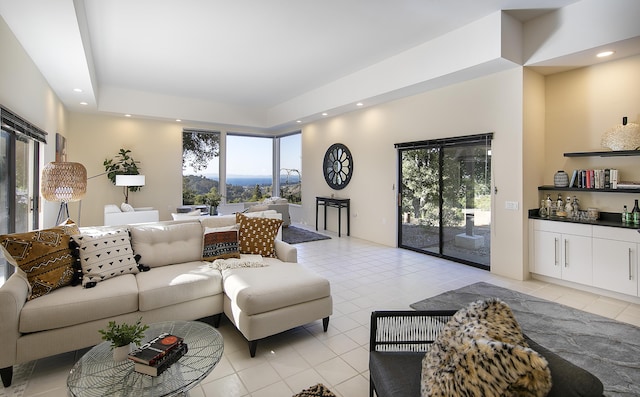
{"x": 63, "y": 182}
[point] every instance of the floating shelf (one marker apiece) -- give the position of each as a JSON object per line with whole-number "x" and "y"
{"x": 608, "y": 153}
{"x": 579, "y": 189}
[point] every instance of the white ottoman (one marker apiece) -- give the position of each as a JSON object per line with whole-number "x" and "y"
{"x": 264, "y": 301}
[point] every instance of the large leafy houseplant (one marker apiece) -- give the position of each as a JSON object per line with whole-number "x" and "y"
{"x": 122, "y": 164}
{"x": 124, "y": 334}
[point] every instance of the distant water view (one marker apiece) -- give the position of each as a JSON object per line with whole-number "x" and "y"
{"x": 255, "y": 180}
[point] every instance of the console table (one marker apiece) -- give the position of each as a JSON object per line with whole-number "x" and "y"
{"x": 338, "y": 203}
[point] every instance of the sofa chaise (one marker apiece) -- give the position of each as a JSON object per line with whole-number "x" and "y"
{"x": 170, "y": 281}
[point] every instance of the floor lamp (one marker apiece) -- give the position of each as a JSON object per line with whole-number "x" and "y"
{"x": 127, "y": 181}
{"x": 63, "y": 182}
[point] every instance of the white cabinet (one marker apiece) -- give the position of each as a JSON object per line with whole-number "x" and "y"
{"x": 615, "y": 259}
{"x": 563, "y": 250}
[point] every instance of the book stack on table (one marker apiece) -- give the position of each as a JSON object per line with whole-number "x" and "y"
{"x": 155, "y": 356}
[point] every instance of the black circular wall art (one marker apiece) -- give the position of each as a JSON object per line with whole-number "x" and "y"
{"x": 337, "y": 166}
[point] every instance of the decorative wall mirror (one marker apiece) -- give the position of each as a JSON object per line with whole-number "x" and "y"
{"x": 337, "y": 166}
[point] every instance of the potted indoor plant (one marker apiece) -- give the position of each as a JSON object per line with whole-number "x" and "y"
{"x": 123, "y": 337}
{"x": 122, "y": 164}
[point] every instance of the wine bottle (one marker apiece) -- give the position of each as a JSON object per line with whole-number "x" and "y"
{"x": 636, "y": 213}
{"x": 625, "y": 215}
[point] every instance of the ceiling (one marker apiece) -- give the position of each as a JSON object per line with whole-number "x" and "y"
{"x": 232, "y": 60}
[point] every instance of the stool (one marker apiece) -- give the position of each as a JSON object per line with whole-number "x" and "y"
{"x": 267, "y": 300}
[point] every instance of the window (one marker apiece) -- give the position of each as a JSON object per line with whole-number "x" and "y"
{"x": 445, "y": 190}
{"x": 249, "y": 164}
{"x": 249, "y": 168}
{"x": 291, "y": 168}
{"x": 200, "y": 167}
{"x": 19, "y": 177}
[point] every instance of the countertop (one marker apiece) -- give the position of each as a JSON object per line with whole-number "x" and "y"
{"x": 611, "y": 219}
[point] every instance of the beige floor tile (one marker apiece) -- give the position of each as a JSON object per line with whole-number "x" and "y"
{"x": 358, "y": 386}
{"x": 229, "y": 386}
{"x": 258, "y": 377}
{"x": 357, "y": 358}
{"x": 306, "y": 379}
{"x": 335, "y": 371}
{"x": 277, "y": 389}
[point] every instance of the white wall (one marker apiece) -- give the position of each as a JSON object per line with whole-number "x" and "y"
{"x": 25, "y": 91}
{"x": 155, "y": 144}
{"x": 580, "y": 106}
{"x": 533, "y": 155}
{"x": 488, "y": 104}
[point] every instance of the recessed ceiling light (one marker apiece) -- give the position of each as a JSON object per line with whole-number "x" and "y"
{"x": 325, "y": 114}
{"x": 83, "y": 103}
{"x": 127, "y": 115}
{"x": 178, "y": 120}
{"x": 605, "y": 54}
{"x": 77, "y": 89}
{"x": 298, "y": 121}
{"x": 359, "y": 104}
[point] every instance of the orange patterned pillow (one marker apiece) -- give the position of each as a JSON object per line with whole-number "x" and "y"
{"x": 257, "y": 235}
{"x": 43, "y": 255}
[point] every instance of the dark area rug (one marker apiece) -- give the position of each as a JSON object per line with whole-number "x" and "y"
{"x": 318, "y": 390}
{"x": 296, "y": 235}
{"x": 607, "y": 348}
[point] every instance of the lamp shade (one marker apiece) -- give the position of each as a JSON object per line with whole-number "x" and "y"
{"x": 63, "y": 181}
{"x": 129, "y": 180}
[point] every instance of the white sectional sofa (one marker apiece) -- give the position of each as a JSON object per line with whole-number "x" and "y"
{"x": 113, "y": 215}
{"x": 179, "y": 285}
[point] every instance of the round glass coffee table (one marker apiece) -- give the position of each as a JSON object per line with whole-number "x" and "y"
{"x": 96, "y": 374}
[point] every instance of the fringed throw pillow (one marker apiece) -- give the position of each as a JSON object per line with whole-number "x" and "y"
{"x": 43, "y": 257}
{"x": 105, "y": 255}
{"x": 220, "y": 243}
{"x": 481, "y": 352}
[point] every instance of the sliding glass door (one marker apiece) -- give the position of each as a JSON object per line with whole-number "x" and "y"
{"x": 19, "y": 178}
{"x": 445, "y": 199}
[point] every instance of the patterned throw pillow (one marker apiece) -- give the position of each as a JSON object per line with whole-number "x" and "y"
{"x": 220, "y": 243}
{"x": 105, "y": 255}
{"x": 257, "y": 235}
{"x": 318, "y": 390}
{"x": 481, "y": 352}
{"x": 43, "y": 256}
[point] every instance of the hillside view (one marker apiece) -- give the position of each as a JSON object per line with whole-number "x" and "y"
{"x": 198, "y": 189}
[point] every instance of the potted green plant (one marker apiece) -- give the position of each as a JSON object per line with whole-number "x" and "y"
{"x": 122, "y": 164}
{"x": 123, "y": 337}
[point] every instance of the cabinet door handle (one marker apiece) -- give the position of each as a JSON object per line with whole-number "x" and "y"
{"x": 556, "y": 251}
{"x": 566, "y": 261}
{"x": 630, "y": 260}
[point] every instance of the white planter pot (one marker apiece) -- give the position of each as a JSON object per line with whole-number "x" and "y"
{"x": 121, "y": 353}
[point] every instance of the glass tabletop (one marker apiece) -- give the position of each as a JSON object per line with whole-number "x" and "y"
{"x": 96, "y": 374}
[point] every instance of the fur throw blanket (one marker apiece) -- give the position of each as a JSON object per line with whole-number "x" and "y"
{"x": 481, "y": 352}
{"x": 245, "y": 260}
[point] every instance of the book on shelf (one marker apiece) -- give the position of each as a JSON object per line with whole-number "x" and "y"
{"x": 164, "y": 363}
{"x": 155, "y": 349}
{"x": 595, "y": 179}
{"x": 574, "y": 177}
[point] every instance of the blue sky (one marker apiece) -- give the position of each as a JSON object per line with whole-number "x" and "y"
{"x": 250, "y": 156}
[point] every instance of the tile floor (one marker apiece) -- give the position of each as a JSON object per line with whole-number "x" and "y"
{"x": 364, "y": 277}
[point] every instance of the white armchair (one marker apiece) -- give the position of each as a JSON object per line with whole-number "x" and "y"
{"x": 114, "y": 216}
